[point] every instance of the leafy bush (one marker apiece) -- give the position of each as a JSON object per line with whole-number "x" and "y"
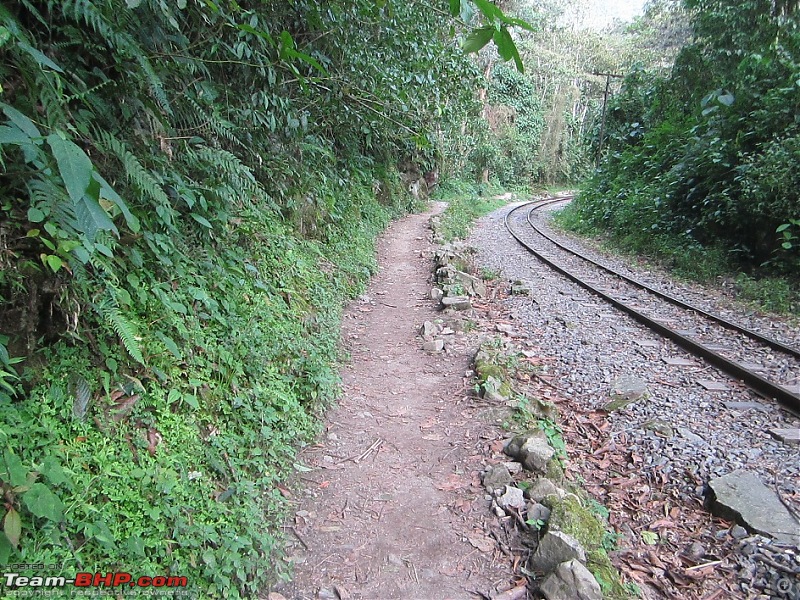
{"x": 191, "y": 190}
{"x": 701, "y": 162}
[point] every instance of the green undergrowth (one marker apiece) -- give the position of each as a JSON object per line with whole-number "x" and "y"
{"x": 466, "y": 202}
{"x": 685, "y": 258}
{"x": 174, "y": 468}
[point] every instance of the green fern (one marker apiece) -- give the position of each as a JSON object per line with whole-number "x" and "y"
{"x": 141, "y": 178}
{"x": 108, "y": 308}
{"x": 87, "y": 12}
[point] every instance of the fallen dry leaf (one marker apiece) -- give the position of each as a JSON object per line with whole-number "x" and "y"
{"x": 483, "y": 544}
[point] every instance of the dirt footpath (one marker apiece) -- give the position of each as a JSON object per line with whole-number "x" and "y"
{"x": 394, "y": 507}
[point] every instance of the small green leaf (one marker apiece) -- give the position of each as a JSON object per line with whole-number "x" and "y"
{"x": 5, "y": 550}
{"x": 173, "y": 396}
{"x": 12, "y": 526}
{"x": 15, "y": 472}
{"x": 490, "y": 11}
{"x": 39, "y": 57}
{"x": 478, "y": 38}
{"x": 91, "y": 218}
{"x": 13, "y": 135}
{"x": 136, "y": 546}
{"x": 53, "y": 471}
{"x": 455, "y": 7}
{"x": 54, "y": 262}
{"x": 43, "y": 503}
{"x": 202, "y": 220}
{"x": 35, "y": 215}
{"x": 104, "y": 250}
{"x": 518, "y": 22}
{"x": 650, "y": 538}
{"x": 505, "y": 45}
{"x": 191, "y": 400}
{"x": 108, "y": 192}
{"x": 262, "y": 34}
{"x": 73, "y": 165}
{"x": 21, "y": 121}
{"x": 726, "y": 99}
{"x": 170, "y": 345}
{"x": 787, "y": 245}
{"x": 5, "y": 35}
{"x": 101, "y": 532}
{"x": 780, "y": 228}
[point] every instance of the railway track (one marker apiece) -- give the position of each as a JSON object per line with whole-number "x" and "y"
{"x": 767, "y": 365}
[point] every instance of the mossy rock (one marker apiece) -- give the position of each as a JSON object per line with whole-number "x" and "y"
{"x": 555, "y": 472}
{"x": 570, "y": 516}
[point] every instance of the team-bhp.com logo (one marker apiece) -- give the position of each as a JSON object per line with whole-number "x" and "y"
{"x": 17, "y": 582}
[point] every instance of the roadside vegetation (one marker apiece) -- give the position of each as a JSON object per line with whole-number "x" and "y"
{"x": 699, "y": 167}
{"x": 466, "y": 202}
{"x": 190, "y": 192}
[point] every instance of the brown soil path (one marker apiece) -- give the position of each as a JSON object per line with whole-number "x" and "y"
{"x": 393, "y": 507}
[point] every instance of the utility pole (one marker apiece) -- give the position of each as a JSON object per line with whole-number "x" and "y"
{"x": 608, "y": 77}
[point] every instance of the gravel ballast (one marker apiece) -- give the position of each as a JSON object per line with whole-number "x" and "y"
{"x": 684, "y": 433}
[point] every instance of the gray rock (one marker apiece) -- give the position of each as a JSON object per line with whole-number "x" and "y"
{"x": 457, "y": 302}
{"x": 458, "y": 325}
{"x": 738, "y": 532}
{"x": 696, "y": 551}
{"x": 512, "y": 498}
{"x": 436, "y": 294}
{"x": 531, "y": 449}
{"x": 504, "y": 328}
{"x": 538, "y": 512}
{"x": 740, "y": 496}
{"x": 496, "y": 476}
{"x": 445, "y": 275}
{"x": 625, "y": 390}
{"x": 492, "y": 390}
{"x": 691, "y": 437}
{"x": 433, "y": 346}
{"x": 787, "y": 436}
{"x": 542, "y": 488}
{"x": 513, "y": 467}
{"x": 571, "y": 581}
{"x": 520, "y": 288}
{"x": 428, "y": 329}
{"x": 472, "y": 285}
{"x": 554, "y": 548}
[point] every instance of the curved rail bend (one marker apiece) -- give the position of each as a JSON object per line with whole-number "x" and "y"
{"x": 758, "y": 383}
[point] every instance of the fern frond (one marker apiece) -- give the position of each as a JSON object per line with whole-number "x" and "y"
{"x": 108, "y": 308}
{"x": 87, "y": 12}
{"x": 135, "y": 171}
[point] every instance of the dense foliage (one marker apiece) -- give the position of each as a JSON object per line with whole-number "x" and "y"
{"x": 190, "y": 191}
{"x": 703, "y": 161}
{"x": 541, "y": 127}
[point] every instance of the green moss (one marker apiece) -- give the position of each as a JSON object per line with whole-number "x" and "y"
{"x": 572, "y": 517}
{"x": 555, "y": 471}
{"x": 486, "y": 369}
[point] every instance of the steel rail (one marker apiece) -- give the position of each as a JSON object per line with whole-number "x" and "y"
{"x": 758, "y": 383}
{"x": 759, "y": 337}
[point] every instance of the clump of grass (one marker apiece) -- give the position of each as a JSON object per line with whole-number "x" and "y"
{"x": 466, "y": 203}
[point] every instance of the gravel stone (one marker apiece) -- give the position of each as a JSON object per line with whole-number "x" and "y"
{"x": 603, "y": 345}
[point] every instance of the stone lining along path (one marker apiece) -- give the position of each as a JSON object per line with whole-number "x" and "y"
{"x": 385, "y": 509}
